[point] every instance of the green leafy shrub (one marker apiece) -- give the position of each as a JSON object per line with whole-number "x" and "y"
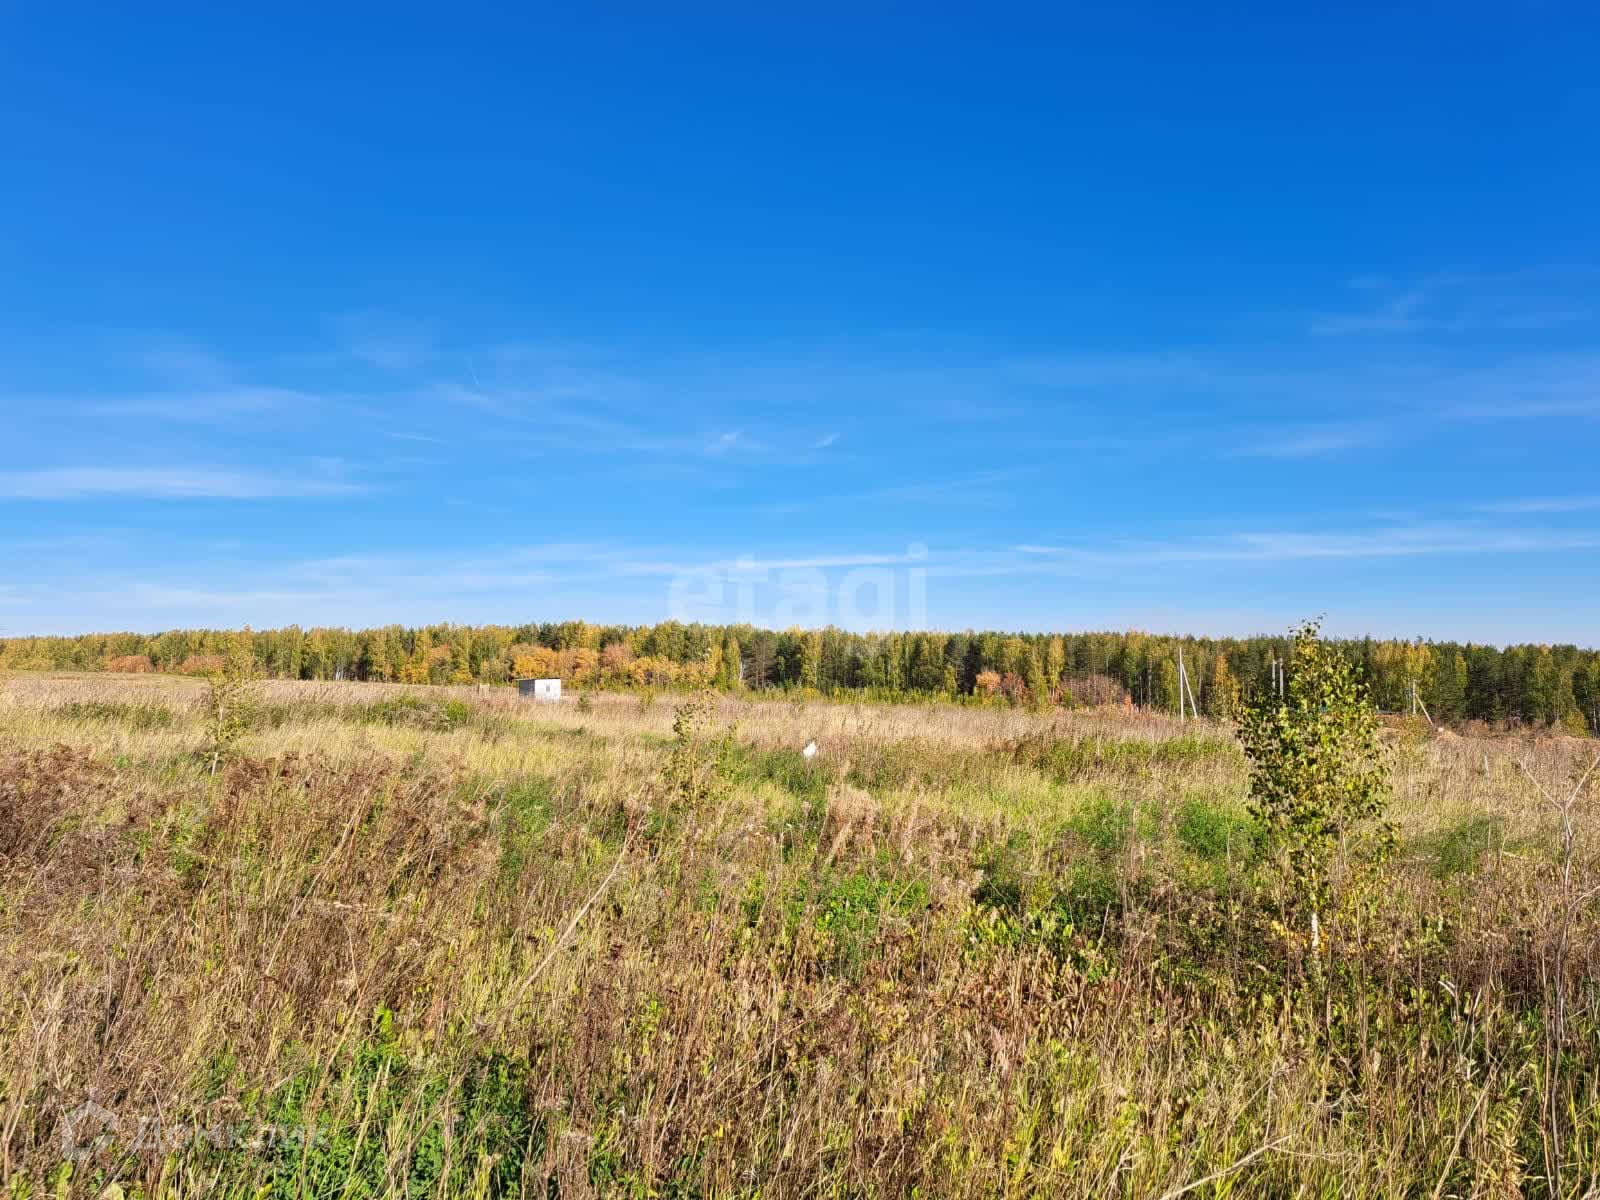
{"x": 699, "y": 767}
{"x": 231, "y": 699}
{"x": 1319, "y": 780}
{"x": 417, "y": 712}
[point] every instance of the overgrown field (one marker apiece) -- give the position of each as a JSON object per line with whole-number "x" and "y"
{"x": 434, "y": 942}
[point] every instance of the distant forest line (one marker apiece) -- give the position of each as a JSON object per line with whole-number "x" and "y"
{"x": 1531, "y": 685}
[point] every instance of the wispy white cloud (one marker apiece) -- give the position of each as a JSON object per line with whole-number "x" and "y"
{"x": 1435, "y": 539}
{"x": 196, "y": 385}
{"x": 164, "y": 483}
{"x": 385, "y": 341}
{"x": 815, "y": 562}
{"x": 1099, "y": 372}
{"x": 979, "y": 489}
{"x": 1397, "y": 313}
{"x": 1314, "y": 441}
{"x": 159, "y": 596}
{"x": 609, "y": 581}
{"x": 1547, "y": 504}
{"x": 731, "y": 441}
{"x": 73, "y": 543}
{"x": 560, "y": 562}
{"x": 188, "y": 364}
{"x": 1521, "y": 388}
{"x": 729, "y": 411}
{"x": 1456, "y": 302}
{"x": 220, "y": 402}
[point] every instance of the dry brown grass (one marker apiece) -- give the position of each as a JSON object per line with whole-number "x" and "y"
{"x": 969, "y": 952}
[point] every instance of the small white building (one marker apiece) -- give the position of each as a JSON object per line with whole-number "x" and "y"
{"x": 546, "y": 691}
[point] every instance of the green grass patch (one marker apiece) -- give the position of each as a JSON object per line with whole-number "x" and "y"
{"x": 1216, "y": 830}
{"x": 408, "y": 710}
{"x": 1004, "y": 870}
{"x": 848, "y": 908}
{"x": 787, "y": 769}
{"x": 417, "y": 712}
{"x": 886, "y": 767}
{"x": 381, "y": 1123}
{"x": 141, "y": 718}
{"x": 1104, "y": 824}
{"x": 1070, "y": 759}
{"x": 525, "y": 808}
{"x": 1459, "y": 849}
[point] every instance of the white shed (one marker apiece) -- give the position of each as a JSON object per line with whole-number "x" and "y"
{"x": 546, "y": 691}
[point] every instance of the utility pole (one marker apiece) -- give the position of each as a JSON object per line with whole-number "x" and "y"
{"x": 1416, "y": 703}
{"x": 1184, "y": 686}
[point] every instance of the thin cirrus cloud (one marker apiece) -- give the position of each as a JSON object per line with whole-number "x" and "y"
{"x": 216, "y": 403}
{"x": 363, "y": 587}
{"x": 742, "y": 407}
{"x": 983, "y": 489}
{"x": 164, "y": 483}
{"x": 199, "y": 385}
{"x": 500, "y": 582}
{"x": 1279, "y": 546}
{"x": 385, "y": 341}
{"x": 574, "y": 562}
{"x": 1456, "y": 302}
{"x": 1544, "y": 504}
{"x": 731, "y": 441}
{"x": 1314, "y": 442}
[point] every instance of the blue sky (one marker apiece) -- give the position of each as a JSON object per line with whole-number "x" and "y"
{"x": 1021, "y": 317}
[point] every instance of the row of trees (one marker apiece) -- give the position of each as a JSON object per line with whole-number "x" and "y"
{"x": 1527, "y": 685}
